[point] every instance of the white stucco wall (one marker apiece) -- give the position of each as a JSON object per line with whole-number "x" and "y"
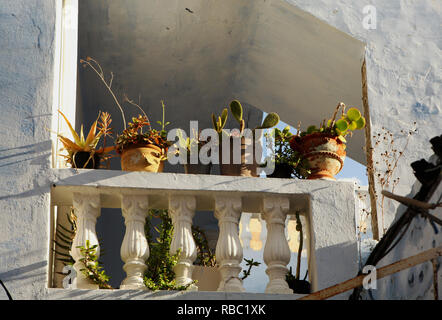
{"x": 404, "y": 70}
{"x": 404, "y": 78}
{"x": 26, "y": 65}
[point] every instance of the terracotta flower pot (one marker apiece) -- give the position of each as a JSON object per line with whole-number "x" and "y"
{"x": 243, "y": 168}
{"x": 84, "y": 160}
{"x": 142, "y": 158}
{"x": 208, "y": 278}
{"x": 324, "y": 153}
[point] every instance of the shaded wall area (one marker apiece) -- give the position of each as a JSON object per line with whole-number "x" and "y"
{"x": 158, "y": 52}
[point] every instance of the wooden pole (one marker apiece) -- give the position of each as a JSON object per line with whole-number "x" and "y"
{"x": 369, "y": 156}
{"x": 400, "y": 265}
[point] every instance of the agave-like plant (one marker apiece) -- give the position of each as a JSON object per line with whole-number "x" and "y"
{"x": 88, "y": 144}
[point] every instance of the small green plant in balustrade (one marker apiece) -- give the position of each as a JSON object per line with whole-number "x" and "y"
{"x": 92, "y": 267}
{"x": 250, "y": 263}
{"x": 159, "y": 274}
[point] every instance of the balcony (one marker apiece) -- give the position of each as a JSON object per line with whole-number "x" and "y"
{"x": 328, "y": 208}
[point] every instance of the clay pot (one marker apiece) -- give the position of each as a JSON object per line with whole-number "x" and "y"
{"x": 208, "y": 278}
{"x": 243, "y": 168}
{"x": 142, "y": 158}
{"x": 324, "y": 153}
{"x": 83, "y": 160}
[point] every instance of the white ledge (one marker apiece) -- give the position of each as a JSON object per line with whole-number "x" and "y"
{"x": 158, "y": 186}
{"x": 119, "y": 294}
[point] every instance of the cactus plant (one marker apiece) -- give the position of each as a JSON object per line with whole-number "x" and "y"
{"x": 237, "y": 111}
{"x": 330, "y": 137}
{"x": 348, "y": 122}
{"x": 271, "y": 120}
{"x": 219, "y": 124}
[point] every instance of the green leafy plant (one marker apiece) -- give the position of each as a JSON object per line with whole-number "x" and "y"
{"x": 88, "y": 144}
{"x": 283, "y": 155}
{"x": 250, "y": 263}
{"x": 205, "y": 256}
{"x": 133, "y": 135}
{"x": 159, "y": 274}
{"x": 92, "y": 267}
{"x": 345, "y": 125}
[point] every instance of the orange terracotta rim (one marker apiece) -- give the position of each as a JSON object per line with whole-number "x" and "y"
{"x": 306, "y": 143}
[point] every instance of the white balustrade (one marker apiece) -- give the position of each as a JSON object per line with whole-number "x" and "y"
{"x": 182, "y": 210}
{"x": 229, "y": 253}
{"x": 276, "y": 250}
{"x": 134, "y": 249}
{"x": 87, "y": 209}
{"x": 329, "y": 216}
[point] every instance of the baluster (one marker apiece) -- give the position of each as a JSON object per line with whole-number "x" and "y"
{"x": 276, "y": 250}
{"x": 134, "y": 249}
{"x": 182, "y": 210}
{"x": 229, "y": 251}
{"x": 87, "y": 209}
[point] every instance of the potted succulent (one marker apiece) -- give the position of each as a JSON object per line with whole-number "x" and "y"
{"x": 323, "y": 148}
{"x": 193, "y": 144}
{"x": 143, "y": 151}
{"x": 294, "y": 282}
{"x": 139, "y": 151}
{"x": 244, "y": 168}
{"x": 82, "y": 153}
{"x": 287, "y": 162}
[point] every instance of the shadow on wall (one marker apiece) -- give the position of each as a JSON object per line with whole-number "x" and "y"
{"x": 18, "y": 161}
{"x": 36, "y": 153}
{"x": 18, "y": 278}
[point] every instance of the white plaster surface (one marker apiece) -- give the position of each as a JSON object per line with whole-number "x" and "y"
{"x": 404, "y": 78}
{"x": 26, "y": 69}
{"x": 404, "y": 71}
